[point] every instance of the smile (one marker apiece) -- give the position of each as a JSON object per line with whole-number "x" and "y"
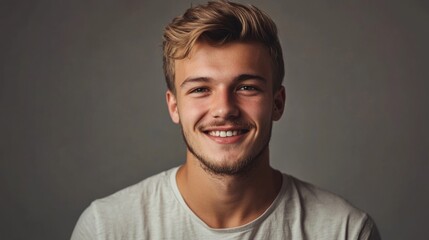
{"x": 224, "y": 133}
{"x": 227, "y": 136}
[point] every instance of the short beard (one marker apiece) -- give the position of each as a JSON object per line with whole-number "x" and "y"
{"x": 240, "y": 169}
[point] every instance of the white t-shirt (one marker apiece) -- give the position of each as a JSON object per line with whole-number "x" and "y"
{"x": 155, "y": 209}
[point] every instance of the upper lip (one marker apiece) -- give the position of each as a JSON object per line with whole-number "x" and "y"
{"x": 242, "y": 129}
{"x": 223, "y": 128}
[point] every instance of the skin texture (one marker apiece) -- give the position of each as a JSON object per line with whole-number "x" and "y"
{"x": 226, "y": 181}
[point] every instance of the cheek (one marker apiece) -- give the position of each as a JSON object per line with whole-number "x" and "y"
{"x": 191, "y": 112}
{"x": 259, "y": 110}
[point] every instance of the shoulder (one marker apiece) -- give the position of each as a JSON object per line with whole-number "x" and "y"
{"x": 326, "y": 212}
{"x": 317, "y": 199}
{"x": 145, "y": 190}
{"x": 123, "y": 210}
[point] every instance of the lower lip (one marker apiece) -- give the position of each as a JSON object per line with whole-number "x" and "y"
{"x": 226, "y": 140}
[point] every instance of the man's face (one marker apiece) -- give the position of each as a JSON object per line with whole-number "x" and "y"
{"x": 225, "y": 104}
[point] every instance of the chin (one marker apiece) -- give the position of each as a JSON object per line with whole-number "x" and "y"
{"x": 240, "y": 165}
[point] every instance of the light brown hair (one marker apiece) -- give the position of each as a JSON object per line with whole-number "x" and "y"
{"x": 220, "y": 22}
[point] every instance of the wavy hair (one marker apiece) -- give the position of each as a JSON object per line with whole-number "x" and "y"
{"x": 220, "y": 22}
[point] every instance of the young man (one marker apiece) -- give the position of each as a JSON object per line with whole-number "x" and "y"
{"x": 224, "y": 68}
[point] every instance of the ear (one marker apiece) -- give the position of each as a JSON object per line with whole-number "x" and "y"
{"x": 172, "y": 106}
{"x": 279, "y": 103}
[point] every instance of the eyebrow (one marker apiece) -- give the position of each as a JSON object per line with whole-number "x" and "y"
{"x": 194, "y": 80}
{"x": 244, "y": 77}
{"x": 239, "y": 78}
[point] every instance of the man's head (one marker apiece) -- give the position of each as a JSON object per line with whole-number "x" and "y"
{"x": 224, "y": 70}
{"x": 220, "y": 22}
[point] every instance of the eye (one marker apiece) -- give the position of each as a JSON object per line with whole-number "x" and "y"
{"x": 247, "y": 88}
{"x": 199, "y": 90}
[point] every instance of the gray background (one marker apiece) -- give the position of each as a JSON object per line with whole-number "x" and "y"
{"x": 82, "y": 109}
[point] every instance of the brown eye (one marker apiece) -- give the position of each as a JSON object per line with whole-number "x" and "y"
{"x": 199, "y": 90}
{"x": 247, "y": 88}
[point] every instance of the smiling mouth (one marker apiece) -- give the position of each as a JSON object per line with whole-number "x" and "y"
{"x": 224, "y": 134}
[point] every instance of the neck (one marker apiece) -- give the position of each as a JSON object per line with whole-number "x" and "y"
{"x": 225, "y": 201}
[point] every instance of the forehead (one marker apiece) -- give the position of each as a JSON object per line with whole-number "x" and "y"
{"x": 224, "y": 62}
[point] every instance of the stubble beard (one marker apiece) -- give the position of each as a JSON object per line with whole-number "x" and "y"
{"x": 240, "y": 166}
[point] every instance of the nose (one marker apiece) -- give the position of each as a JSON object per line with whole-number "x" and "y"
{"x": 224, "y": 105}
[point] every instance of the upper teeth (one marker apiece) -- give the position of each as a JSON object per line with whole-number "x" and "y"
{"x": 223, "y": 133}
